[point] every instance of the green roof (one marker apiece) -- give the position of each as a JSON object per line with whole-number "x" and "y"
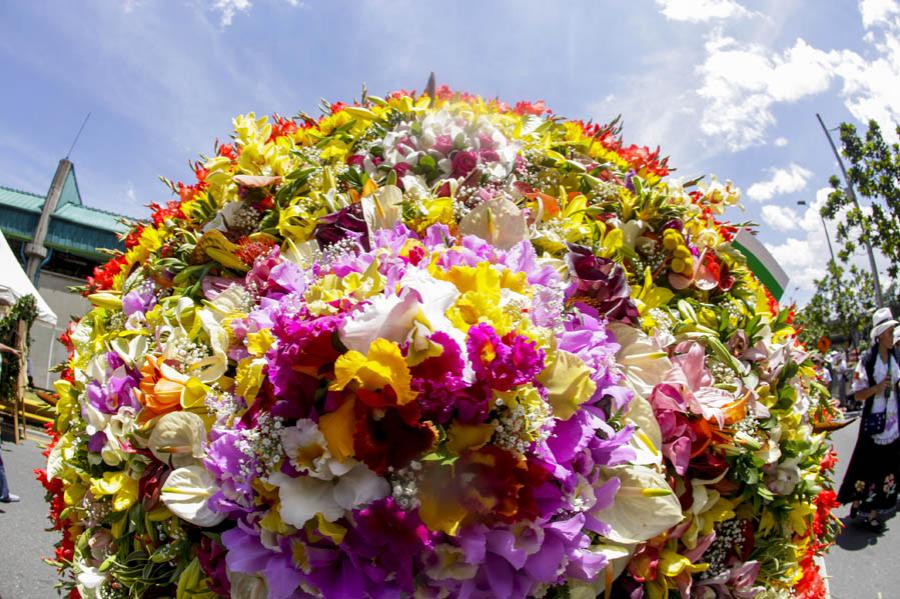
{"x": 74, "y": 227}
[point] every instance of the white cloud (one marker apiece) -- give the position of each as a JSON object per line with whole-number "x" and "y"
{"x": 783, "y": 181}
{"x": 698, "y": 11}
{"x": 780, "y": 142}
{"x": 742, "y": 82}
{"x": 780, "y": 217}
{"x": 801, "y": 255}
{"x": 804, "y": 254}
{"x": 877, "y": 11}
{"x": 228, "y": 8}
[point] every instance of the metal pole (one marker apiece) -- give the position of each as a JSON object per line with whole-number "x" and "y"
{"x": 852, "y": 193}
{"x": 824, "y": 226}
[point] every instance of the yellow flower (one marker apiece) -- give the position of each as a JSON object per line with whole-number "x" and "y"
{"x": 123, "y": 488}
{"x": 385, "y": 366}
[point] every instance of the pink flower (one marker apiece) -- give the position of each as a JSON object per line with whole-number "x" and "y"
{"x": 443, "y": 144}
{"x": 464, "y": 163}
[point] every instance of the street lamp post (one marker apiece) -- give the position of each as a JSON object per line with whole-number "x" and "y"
{"x": 852, "y": 193}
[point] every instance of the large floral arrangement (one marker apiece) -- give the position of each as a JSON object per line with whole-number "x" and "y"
{"x": 436, "y": 346}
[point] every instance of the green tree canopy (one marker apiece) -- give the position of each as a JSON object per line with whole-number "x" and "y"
{"x": 875, "y": 174}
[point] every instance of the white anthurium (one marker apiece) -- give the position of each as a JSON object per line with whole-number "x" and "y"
{"x": 499, "y": 222}
{"x": 186, "y": 493}
{"x": 307, "y": 451}
{"x": 177, "y": 439}
{"x": 617, "y": 557}
{"x": 644, "y": 507}
{"x": 383, "y": 209}
{"x": 303, "y": 497}
{"x": 641, "y": 360}
{"x": 384, "y": 317}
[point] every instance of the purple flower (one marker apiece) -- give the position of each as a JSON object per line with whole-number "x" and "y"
{"x": 247, "y": 555}
{"x": 389, "y": 541}
{"x": 233, "y": 470}
{"x": 601, "y": 284}
{"x": 138, "y": 300}
{"x": 345, "y": 223}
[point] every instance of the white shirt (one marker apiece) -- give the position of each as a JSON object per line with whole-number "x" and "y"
{"x": 891, "y": 430}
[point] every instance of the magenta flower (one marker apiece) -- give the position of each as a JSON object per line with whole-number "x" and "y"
{"x": 503, "y": 362}
{"x": 463, "y": 162}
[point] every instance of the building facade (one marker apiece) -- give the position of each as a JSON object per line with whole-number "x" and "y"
{"x": 75, "y": 238}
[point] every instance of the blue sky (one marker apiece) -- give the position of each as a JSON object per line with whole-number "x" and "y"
{"x": 728, "y": 87}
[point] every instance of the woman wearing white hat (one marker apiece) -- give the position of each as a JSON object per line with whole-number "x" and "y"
{"x": 870, "y": 484}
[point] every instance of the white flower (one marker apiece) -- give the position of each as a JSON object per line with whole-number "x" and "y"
{"x": 177, "y": 439}
{"x": 186, "y": 493}
{"x": 303, "y": 497}
{"x": 89, "y": 581}
{"x": 306, "y": 449}
{"x": 644, "y": 506}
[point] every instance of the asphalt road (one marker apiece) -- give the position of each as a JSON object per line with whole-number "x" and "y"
{"x": 862, "y": 565}
{"x": 23, "y": 538}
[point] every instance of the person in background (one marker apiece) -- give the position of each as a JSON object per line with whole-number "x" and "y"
{"x": 897, "y": 345}
{"x": 839, "y": 361}
{"x": 5, "y": 495}
{"x": 870, "y": 484}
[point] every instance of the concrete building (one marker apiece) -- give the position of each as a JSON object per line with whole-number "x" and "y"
{"x": 59, "y": 236}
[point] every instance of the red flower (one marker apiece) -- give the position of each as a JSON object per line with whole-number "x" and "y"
{"x": 282, "y": 126}
{"x": 227, "y": 151}
{"x": 829, "y": 461}
{"x": 499, "y": 485}
{"x": 249, "y": 250}
{"x": 390, "y": 437}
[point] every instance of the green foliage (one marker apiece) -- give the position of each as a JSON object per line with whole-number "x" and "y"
{"x": 842, "y": 305}
{"x": 25, "y": 310}
{"x": 875, "y": 174}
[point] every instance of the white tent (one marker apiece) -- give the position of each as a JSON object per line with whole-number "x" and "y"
{"x": 14, "y": 283}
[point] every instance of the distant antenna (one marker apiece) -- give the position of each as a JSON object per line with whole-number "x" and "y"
{"x": 77, "y": 135}
{"x": 430, "y": 86}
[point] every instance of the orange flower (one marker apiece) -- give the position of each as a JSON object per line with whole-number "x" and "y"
{"x": 160, "y": 388}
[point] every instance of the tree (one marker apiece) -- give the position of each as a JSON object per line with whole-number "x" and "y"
{"x": 841, "y": 307}
{"x": 875, "y": 174}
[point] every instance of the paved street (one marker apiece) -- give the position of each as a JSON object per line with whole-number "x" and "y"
{"x": 23, "y": 540}
{"x": 862, "y": 566}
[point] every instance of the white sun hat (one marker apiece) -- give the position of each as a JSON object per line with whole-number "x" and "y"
{"x": 882, "y": 320}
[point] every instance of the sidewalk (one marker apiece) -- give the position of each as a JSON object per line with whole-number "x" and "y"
{"x": 24, "y": 541}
